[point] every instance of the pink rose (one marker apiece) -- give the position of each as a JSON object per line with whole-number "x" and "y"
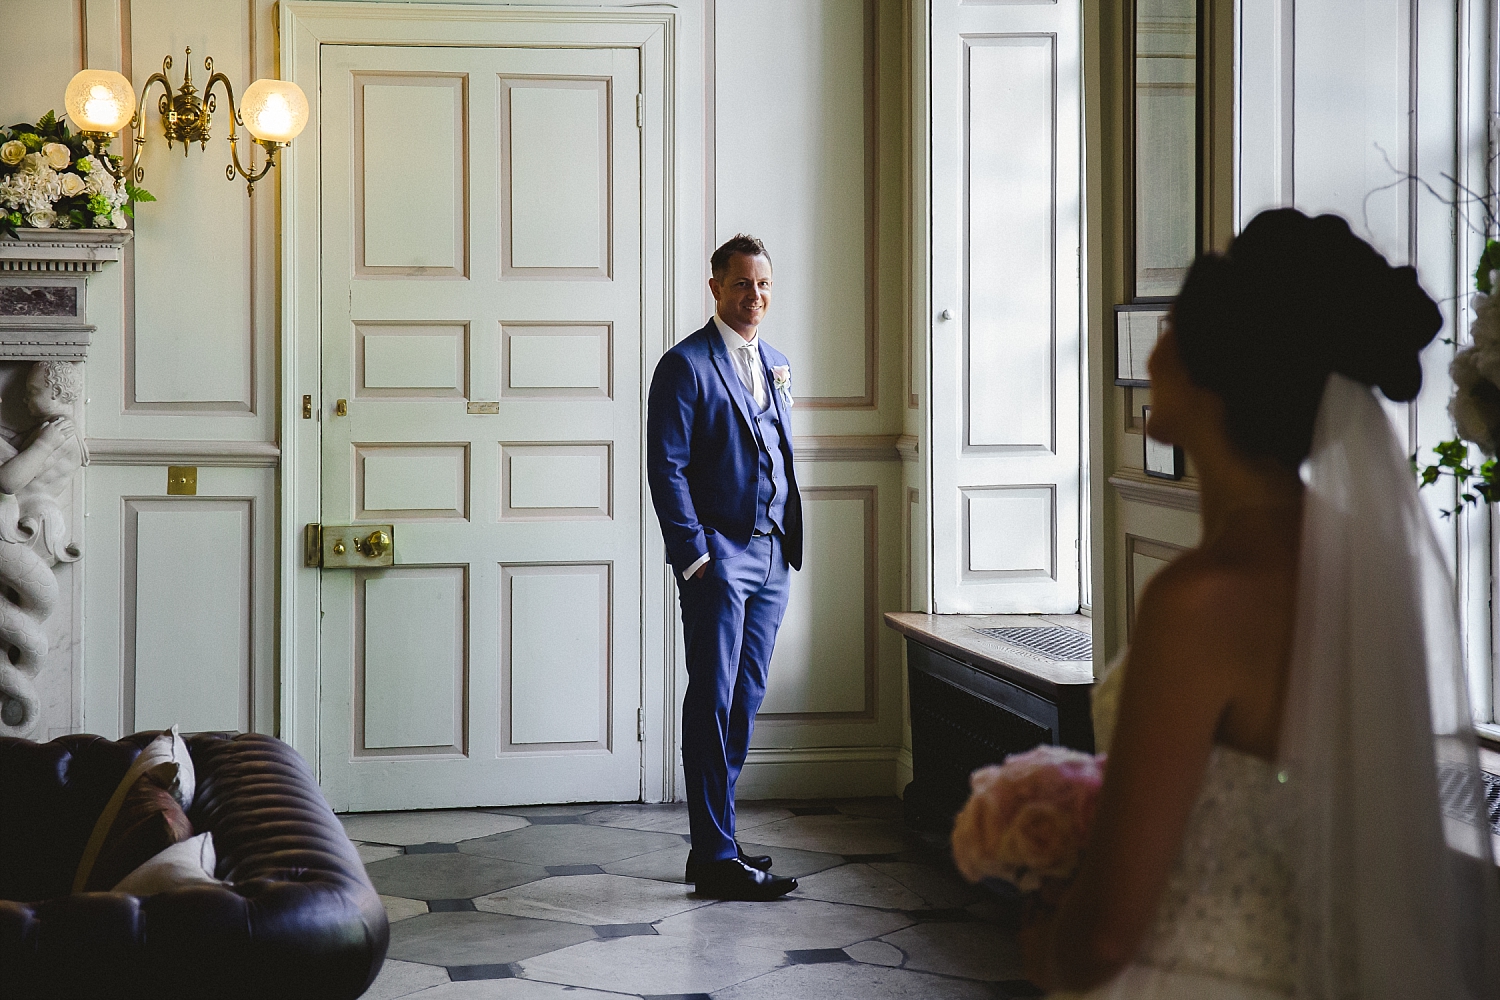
{"x": 1028, "y": 818}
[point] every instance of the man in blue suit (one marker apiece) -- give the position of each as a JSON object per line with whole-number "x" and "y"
{"x": 719, "y": 463}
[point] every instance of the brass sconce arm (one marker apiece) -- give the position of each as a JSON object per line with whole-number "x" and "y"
{"x": 235, "y": 121}
{"x": 100, "y": 141}
{"x": 274, "y": 112}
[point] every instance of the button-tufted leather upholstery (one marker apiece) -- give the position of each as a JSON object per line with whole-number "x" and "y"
{"x": 298, "y": 919}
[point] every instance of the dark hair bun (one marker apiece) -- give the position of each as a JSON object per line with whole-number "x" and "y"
{"x": 1292, "y": 300}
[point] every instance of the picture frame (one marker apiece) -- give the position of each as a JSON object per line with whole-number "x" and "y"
{"x": 1161, "y": 461}
{"x": 1138, "y": 326}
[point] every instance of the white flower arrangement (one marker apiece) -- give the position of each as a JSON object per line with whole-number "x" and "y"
{"x": 49, "y": 180}
{"x": 1475, "y": 406}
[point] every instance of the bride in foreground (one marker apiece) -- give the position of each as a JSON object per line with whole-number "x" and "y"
{"x": 1292, "y": 805}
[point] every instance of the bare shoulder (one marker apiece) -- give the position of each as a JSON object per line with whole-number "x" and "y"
{"x": 1211, "y": 608}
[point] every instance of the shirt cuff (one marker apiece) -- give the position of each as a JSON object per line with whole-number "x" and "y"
{"x": 698, "y": 564}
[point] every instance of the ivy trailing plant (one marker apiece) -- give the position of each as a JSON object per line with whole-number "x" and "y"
{"x": 1475, "y": 485}
{"x": 50, "y": 180}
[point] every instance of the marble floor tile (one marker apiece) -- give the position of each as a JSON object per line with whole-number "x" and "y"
{"x": 570, "y": 845}
{"x": 511, "y": 989}
{"x": 665, "y": 817}
{"x": 785, "y": 924}
{"x": 664, "y": 866}
{"x": 887, "y": 807}
{"x": 479, "y": 938}
{"x": 794, "y": 864}
{"x": 563, "y": 809}
{"x": 443, "y": 826}
{"x": 970, "y": 950}
{"x": 448, "y": 876}
{"x": 400, "y": 979}
{"x": 593, "y": 899}
{"x": 834, "y": 833}
{"x": 853, "y": 982}
{"x": 376, "y": 852}
{"x": 941, "y": 887}
{"x": 397, "y": 908}
{"x": 875, "y": 953}
{"x": 668, "y": 865}
{"x": 752, "y": 815}
{"x": 861, "y": 885}
{"x": 653, "y": 966}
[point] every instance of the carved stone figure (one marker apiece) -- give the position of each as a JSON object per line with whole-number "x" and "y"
{"x": 34, "y": 533}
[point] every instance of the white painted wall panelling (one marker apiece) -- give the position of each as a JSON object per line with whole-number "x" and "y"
{"x": 795, "y": 155}
{"x": 180, "y": 601}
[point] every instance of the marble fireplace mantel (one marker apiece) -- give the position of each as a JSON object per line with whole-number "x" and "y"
{"x": 44, "y": 335}
{"x": 65, "y": 251}
{"x": 43, "y": 290}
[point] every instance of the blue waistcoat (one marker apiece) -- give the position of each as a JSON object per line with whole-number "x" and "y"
{"x": 771, "y": 485}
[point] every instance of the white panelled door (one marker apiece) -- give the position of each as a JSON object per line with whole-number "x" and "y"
{"x": 481, "y": 314}
{"x": 1006, "y": 124}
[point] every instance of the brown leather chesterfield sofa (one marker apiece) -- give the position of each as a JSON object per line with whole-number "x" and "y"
{"x": 298, "y": 917}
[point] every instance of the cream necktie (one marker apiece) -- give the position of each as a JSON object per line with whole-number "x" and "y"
{"x": 745, "y": 358}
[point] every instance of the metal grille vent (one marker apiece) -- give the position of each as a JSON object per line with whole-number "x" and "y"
{"x": 1459, "y": 793}
{"x": 1056, "y": 643}
{"x": 1492, "y": 799}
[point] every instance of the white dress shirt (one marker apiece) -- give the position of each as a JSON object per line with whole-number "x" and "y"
{"x": 747, "y": 362}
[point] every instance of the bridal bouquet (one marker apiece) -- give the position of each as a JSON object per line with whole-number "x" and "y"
{"x": 49, "y": 180}
{"x": 1027, "y": 819}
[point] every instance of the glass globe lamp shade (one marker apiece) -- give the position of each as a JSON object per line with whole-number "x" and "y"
{"x": 99, "y": 100}
{"x": 274, "y": 110}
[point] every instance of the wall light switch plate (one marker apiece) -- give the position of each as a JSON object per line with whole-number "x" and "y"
{"x": 182, "y": 480}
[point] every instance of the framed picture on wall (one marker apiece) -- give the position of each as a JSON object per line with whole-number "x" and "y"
{"x": 1137, "y": 328}
{"x": 1161, "y": 460}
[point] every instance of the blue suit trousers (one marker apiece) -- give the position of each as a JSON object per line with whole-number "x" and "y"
{"x": 729, "y": 618}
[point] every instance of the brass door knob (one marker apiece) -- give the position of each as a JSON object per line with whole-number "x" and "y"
{"x": 377, "y": 544}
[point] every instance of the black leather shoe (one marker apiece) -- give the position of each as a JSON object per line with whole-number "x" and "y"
{"x": 733, "y": 879}
{"x": 760, "y": 862}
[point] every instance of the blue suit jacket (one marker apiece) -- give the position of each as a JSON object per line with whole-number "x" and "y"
{"x": 703, "y": 457}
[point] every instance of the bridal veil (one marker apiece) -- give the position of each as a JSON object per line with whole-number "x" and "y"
{"x": 1396, "y": 887}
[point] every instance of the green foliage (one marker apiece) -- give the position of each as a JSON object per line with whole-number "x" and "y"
{"x": 1488, "y": 261}
{"x": 80, "y": 210}
{"x": 1475, "y": 485}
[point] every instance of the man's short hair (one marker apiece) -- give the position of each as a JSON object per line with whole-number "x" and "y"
{"x": 738, "y": 243}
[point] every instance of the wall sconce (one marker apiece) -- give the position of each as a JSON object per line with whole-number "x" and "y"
{"x": 102, "y": 102}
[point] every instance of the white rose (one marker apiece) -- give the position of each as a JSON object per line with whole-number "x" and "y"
{"x": 57, "y": 155}
{"x": 73, "y": 185}
{"x": 42, "y": 220}
{"x": 34, "y": 163}
{"x": 117, "y": 219}
{"x": 12, "y": 152}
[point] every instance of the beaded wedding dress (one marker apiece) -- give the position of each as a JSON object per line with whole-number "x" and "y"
{"x": 1358, "y": 865}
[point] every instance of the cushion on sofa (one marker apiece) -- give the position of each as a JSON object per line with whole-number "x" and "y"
{"x": 141, "y": 819}
{"x": 149, "y": 822}
{"x": 170, "y": 748}
{"x": 189, "y": 862}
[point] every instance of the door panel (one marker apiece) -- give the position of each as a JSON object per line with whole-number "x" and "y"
{"x": 1006, "y": 359}
{"x": 481, "y": 243}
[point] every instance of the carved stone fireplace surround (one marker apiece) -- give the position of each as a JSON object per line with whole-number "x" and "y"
{"x": 44, "y": 341}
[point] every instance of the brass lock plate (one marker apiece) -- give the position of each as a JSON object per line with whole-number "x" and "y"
{"x": 357, "y": 546}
